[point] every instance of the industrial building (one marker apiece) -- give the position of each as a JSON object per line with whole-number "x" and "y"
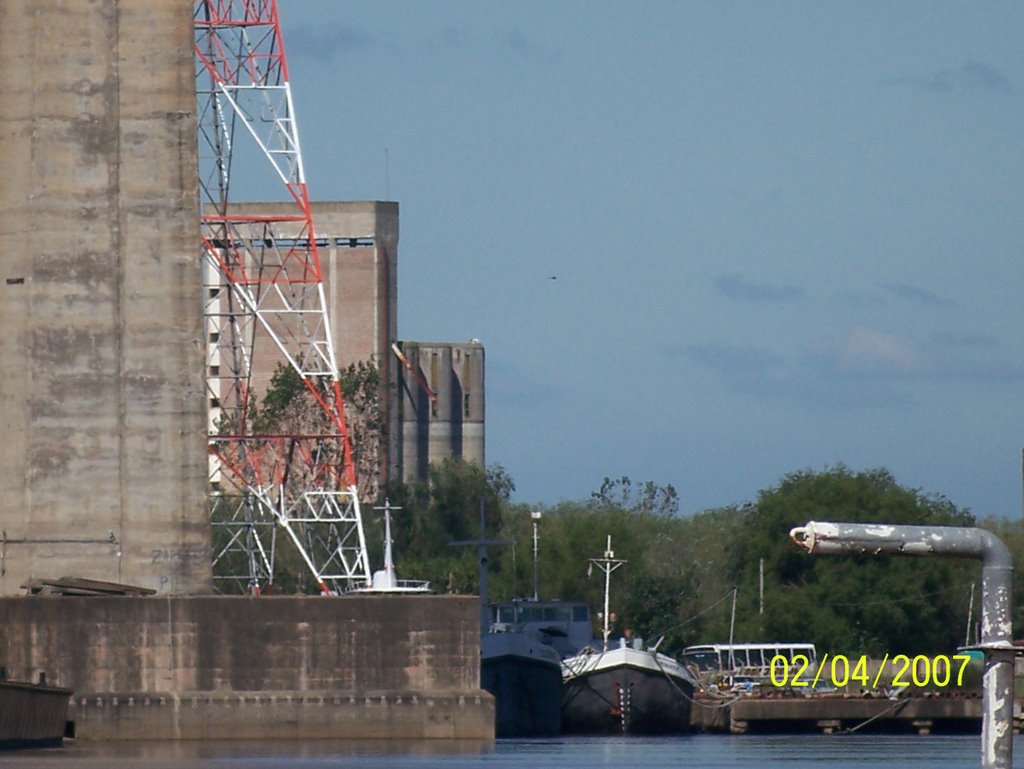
{"x": 440, "y": 407}
{"x": 432, "y": 393}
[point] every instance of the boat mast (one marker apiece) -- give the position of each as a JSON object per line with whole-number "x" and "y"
{"x": 482, "y": 544}
{"x": 607, "y": 564}
{"x": 389, "y": 560}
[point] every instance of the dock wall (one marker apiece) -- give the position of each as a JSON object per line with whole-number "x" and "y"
{"x": 796, "y": 715}
{"x": 184, "y": 667}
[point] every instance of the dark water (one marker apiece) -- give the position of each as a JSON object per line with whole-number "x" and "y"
{"x": 698, "y": 752}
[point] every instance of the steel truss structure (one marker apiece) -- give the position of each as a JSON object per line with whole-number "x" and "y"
{"x": 265, "y": 307}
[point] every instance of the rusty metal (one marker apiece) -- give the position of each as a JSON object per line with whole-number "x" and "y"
{"x": 996, "y": 603}
{"x": 417, "y": 375}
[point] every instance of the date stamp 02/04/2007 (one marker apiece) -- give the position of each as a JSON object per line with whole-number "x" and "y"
{"x": 840, "y": 671}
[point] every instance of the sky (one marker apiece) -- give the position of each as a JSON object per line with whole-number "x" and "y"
{"x": 705, "y": 244}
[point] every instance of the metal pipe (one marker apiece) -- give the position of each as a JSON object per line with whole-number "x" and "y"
{"x": 996, "y": 603}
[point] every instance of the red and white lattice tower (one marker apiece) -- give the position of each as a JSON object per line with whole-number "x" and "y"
{"x": 265, "y": 307}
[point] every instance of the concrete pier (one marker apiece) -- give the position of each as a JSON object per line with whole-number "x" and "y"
{"x": 217, "y": 667}
{"x": 830, "y": 715}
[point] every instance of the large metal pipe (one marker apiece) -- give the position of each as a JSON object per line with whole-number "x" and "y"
{"x": 996, "y": 603}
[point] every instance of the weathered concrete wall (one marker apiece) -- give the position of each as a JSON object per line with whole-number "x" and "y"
{"x": 234, "y": 666}
{"x": 285, "y": 716}
{"x": 101, "y": 359}
{"x": 238, "y": 643}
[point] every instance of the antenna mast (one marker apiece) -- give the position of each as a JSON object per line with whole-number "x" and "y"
{"x": 607, "y": 564}
{"x": 266, "y": 307}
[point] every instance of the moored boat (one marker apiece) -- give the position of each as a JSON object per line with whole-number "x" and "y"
{"x": 624, "y": 689}
{"x": 519, "y": 664}
{"x": 32, "y": 715}
{"x": 521, "y": 661}
{"x": 525, "y": 676}
{"x": 385, "y": 581}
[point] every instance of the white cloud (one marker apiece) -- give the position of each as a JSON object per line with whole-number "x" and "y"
{"x": 861, "y": 350}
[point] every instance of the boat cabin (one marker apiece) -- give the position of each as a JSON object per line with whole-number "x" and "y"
{"x": 565, "y": 625}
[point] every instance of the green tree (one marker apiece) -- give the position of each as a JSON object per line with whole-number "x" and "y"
{"x": 848, "y": 604}
{"x": 648, "y": 499}
{"x": 289, "y": 407}
{"x": 645, "y": 594}
{"x": 447, "y": 509}
{"x": 361, "y": 391}
{"x": 693, "y": 553}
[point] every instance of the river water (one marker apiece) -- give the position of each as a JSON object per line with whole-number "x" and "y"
{"x": 695, "y": 752}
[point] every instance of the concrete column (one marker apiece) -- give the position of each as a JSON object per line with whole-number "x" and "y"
{"x": 101, "y": 355}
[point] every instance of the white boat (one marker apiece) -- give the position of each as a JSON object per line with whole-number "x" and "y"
{"x": 624, "y": 688}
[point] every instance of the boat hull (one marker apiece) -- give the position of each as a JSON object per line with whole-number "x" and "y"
{"x": 624, "y": 698}
{"x": 526, "y": 696}
{"x": 32, "y": 716}
{"x": 525, "y": 677}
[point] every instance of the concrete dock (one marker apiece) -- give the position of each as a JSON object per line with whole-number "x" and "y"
{"x": 830, "y": 715}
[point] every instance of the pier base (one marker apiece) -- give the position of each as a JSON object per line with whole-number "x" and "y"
{"x": 278, "y": 667}
{"x": 829, "y": 725}
{"x": 282, "y": 716}
{"x": 829, "y": 715}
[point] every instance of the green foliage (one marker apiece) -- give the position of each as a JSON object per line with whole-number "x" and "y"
{"x": 682, "y": 570}
{"x": 361, "y": 391}
{"x": 286, "y": 394}
{"x": 649, "y": 498}
{"x": 647, "y": 593}
{"x": 289, "y": 406}
{"x": 848, "y": 604}
{"x": 445, "y": 510}
{"x": 360, "y": 383}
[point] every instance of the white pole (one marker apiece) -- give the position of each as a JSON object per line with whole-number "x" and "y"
{"x": 608, "y": 564}
{"x": 761, "y": 575}
{"x": 732, "y": 626}
{"x": 536, "y": 519}
{"x": 607, "y": 580}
